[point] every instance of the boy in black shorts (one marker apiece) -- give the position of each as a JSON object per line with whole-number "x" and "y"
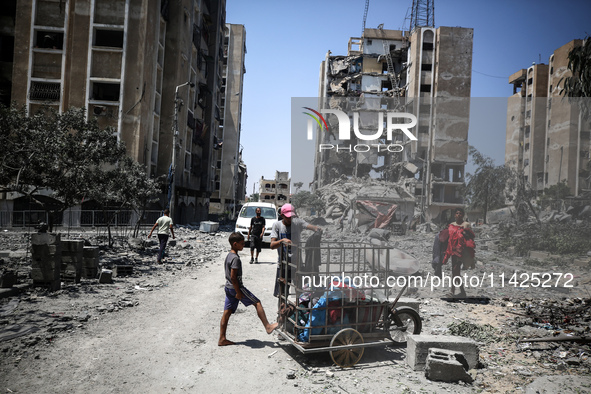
{"x": 235, "y": 290}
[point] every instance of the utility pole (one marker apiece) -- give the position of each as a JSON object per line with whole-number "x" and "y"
{"x": 175, "y": 135}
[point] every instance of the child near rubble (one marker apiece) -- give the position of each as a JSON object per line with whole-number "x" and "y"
{"x": 236, "y": 292}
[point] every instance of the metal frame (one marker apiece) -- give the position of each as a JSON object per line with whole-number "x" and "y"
{"x": 338, "y": 259}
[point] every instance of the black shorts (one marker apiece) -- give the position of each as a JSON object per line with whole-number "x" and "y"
{"x": 256, "y": 243}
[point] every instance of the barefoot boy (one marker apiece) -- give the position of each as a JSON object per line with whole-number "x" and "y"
{"x": 235, "y": 290}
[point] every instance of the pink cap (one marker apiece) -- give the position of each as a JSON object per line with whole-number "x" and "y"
{"x": 287, "y": 210}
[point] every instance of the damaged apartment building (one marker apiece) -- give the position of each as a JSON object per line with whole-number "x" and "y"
{"x": 149, "y": 69}
{"x": 548, "y": 139}
{"x": 425, "y": 72}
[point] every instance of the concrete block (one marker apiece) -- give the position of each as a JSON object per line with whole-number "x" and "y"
{"x": 89, "y": 273}
{"x": 122, "y": 270}
{"x": 90, "y": 262}
{"x": 8, "y": 279}
{"x": 46, "y": 269}
{"x": 417, "y": 349}
{"x": 447, "y": 366}
{"x": 106, "y": 276}
{"x": 45, "y": 239}
{"x": 48, "y": 250}
{"x": 72, "y": 245}
{"x": 90, "y": 252}
{"x": 209, "y": 227}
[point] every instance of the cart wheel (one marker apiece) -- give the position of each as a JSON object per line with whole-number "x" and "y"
{"x": 404, "y": 321}
{"x": 347, "y": 357}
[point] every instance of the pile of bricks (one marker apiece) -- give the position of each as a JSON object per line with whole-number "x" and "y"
{"x": 72, "y": 259}
{"x": 46, "y": 251}
{"x": 90, "y": 263}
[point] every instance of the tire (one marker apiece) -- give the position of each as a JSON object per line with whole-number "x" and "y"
{"x": 404, "y": 321}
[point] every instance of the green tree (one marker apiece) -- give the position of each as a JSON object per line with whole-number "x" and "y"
{"x": 579, "y": 83}
{"x": 522, "y": 195}
{"x": 306, "y": 199}
{"x": 486, "y": 187}
{"x": 555, "y": 192}
{"x": 298, "y": 186}
{"x": 126, "y": 186}
{"x": 69, "y": 155}
{"x": 254, "y": 197}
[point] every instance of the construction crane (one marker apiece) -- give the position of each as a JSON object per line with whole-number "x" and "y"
{"x": 365, "y": 16}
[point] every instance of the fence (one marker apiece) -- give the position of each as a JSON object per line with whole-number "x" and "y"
{"x": 78, "y": 218}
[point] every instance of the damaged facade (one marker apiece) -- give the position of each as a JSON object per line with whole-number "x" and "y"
{"x": 275, "y": 191}
{"x": 547, "y": 141}
{"x": 230, "y": 171}
{"x": 426, "y": 73}
{"x": 123, "y": 61}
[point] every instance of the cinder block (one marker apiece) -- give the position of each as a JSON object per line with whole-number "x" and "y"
{"x": 122, "y": 270}
{"x": 447, "y": 366}
{"x": 209, "y": 227}
{"x": 46, "y": 250}
{"x": 90, "y": 262}
{"x": 45, "y": 239}
{"x": 72, "y": 245}
{"x": 417, "y": 349}
{"x": 106, "y": 276}
{"x": 90, "y": 252}
{"x": 8, "y": 279}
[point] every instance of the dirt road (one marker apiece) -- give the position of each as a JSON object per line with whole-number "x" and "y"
{"x": 168, "y": 344}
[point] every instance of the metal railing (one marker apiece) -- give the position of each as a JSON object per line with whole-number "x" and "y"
{"x": 77, "y": 218}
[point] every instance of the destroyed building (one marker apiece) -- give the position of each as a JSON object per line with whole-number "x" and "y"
{"x": 151, "y": 70}
{"x": 548, "y": 140}
{"x": 426, "y": 73}
{"x": 229, "y": 189}
{"x": 277, "y": 190}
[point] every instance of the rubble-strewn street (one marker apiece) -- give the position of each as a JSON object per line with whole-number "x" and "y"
{"x": 156, "y": 329}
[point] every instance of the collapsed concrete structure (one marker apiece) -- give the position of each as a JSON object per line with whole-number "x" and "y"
{"x": 425, "y": 73}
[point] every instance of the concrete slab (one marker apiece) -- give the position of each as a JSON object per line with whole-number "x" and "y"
{"x": 417, "y": 349}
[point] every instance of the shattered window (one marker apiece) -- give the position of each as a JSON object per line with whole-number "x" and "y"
{"x": 49, "y": 39}
{"x": 108, "y": 38}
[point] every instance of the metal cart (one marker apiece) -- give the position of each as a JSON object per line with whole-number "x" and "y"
{"x": 336, "y": 297}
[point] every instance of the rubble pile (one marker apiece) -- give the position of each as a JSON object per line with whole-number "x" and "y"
{"x": 27, "y": 322}
{"x": 555, "y": 332}
{"x": 365, "y": 204}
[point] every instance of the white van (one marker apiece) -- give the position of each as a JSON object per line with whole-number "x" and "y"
{"x": 248, "y": 211}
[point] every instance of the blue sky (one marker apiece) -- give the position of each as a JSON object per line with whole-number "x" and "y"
{"x": 287, "y": 40}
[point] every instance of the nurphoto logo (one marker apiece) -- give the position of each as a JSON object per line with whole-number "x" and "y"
{"x": 344, "y": 130}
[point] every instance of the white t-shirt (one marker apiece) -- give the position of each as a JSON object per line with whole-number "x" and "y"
{"x": 164, "y": 223}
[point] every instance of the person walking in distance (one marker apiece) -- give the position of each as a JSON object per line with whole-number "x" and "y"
{"x": 460, "y": 247}
{"x": 255, "y": 235}
{"x": 164, "y": 224}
